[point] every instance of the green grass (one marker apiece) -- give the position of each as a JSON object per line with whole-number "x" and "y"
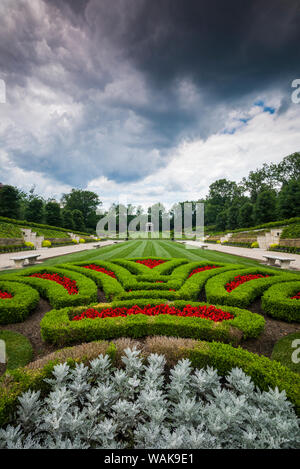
{"x": 8, "y": 230}
{"x": 18, "y": 349}
{"x": 283, "y": 350}
{"x": 144, "y": 248}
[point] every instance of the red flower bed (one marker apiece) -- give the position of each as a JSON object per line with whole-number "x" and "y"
{"x": 151, "y": 263}
{"x": 4, "y": 295}
{"x": 206, "y": 312}
{"x": 67, "y": 283}
{"x": 240, "y": 279}
{"x": 296, "y": 297}
{"x": 201, "y": 269}
{"x": 98, "y": 268}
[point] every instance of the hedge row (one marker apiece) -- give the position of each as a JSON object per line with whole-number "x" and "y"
{"x": 245, "y": 293}
{"x": 56, "y": 294}
{"x": 264, "y": 372}
{"x": 17, "y": 308}
{"x": 277, "y": 302}
{"x": 57, "y": 326}
{"x": 15, "y": 248}
{"x": 39, "y": 225}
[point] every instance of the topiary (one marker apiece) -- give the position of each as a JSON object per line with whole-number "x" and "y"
{"x": 82, "y": 240}
{"x": 46, "y": 243}
{"x": 28, "y": 244}
{"x": 74, "y": 241}
{"x": 255, "y": 244}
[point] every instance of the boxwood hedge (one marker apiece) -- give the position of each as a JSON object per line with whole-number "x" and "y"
{"x": 277, "y": 302}
{"x": 246, "y": 293}
{"x": 54, "y": 292}
{"x": 57, "y": 325}
{"x": 17, "y": 308}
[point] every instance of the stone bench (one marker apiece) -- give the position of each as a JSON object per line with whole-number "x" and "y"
{"x": 283, "y": 261}
{"x": 96, "y": 246}
{"x": 19, "y": 261}
{"x": 203, "y": 246}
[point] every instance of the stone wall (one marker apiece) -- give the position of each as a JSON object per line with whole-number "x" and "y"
{"x": 290, "y": 242}
{"x": 11, "y": 241}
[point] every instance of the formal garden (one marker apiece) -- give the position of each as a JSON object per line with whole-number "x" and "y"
{"x": 147, "y": 344}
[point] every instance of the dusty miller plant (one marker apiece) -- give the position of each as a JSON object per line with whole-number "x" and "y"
{"x": 142, "y": 406}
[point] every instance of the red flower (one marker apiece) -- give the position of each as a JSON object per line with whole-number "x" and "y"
{"x": 206, "y": 312}
{"x": 67, "y": 283}
{"x": 4, "y": 295}
{"x": 201, "y": 269}
{"x": 240, "y": 279}
{"x": 98, "y": 268}
{"x": 296, "y": 297}
{"x": 151, "y": 263}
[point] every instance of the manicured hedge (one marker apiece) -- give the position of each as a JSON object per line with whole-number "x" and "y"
{"x": 244, "y": 294}
{"x": 264, "y": 372}
{"x": 55, "y": 293}
{"x": 57, "y": 326}
{"x": 277, "y": 302}
{"x": 17, "y": 308}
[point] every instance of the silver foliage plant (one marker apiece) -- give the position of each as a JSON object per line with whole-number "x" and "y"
{"x": 142, "y": 406}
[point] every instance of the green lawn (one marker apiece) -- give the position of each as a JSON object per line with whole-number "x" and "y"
{"x": 144, "y": 248}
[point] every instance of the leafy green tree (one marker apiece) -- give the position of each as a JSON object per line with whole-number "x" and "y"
{"x": 265, "y": 207}
{"x": 287, "y": 169}
{"x": 34, "y": 210}
{"x": 67, "y": 219}
{"x": 85, "y": 201}
{"x": 245, "y": 215}
{"x": 78, "y": 220}
{"x": 289, "y": 200}
{"x": 9, "y": 202}
{"x": 53, "y": 213}
{"x": 221, "y": 220}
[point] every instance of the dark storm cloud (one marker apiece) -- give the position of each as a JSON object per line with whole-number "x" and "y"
{"x": 231, "y": 48}
{"x": 143, "y": 74}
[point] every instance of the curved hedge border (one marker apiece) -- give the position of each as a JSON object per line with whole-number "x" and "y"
{"x": 277, "y": 302}
{"x": 55, "y": 293}
{"x": 17, "y": 308}
{"x": 58, "y": 328}
{"x": 244, "y": 294}
{"x": 264, "y": 372}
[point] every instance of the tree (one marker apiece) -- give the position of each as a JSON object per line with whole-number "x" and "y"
{"x": 9, "y": 202}
{"x": 85, "y": 201}
{"x": 265, "y": 207}
{"x": 245, "y": 215}
{"x": 289, "y": 200}
{"x": 67, "y": 219}
{"x": 221, "y": 220}
{"x": 53, "y": 213}
{"x": 288, "y": 168}
{"x": 78, "y": 220}
{"x": 34, "y": 210}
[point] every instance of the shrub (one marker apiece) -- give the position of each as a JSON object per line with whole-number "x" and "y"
{"x": 82, "y": 240}
{"x": 74, "y": 241}
{"x": 57, "y": 326}
{"x": 57, "y": 295}
{"x": 16, "y": 309}
{"x": 218, "y": 241}
{"x": 28, "y": 244}
{"x": 140, "y": 407}
{"x": 273, "y": 246}
{"x": 46, "y": 243}
{"x": 246, "y": 293}
{"x": 277, "y": 301}
{"x": 255, "y": 245}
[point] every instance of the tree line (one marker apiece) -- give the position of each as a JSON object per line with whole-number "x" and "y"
{"x": 269, "y": 193}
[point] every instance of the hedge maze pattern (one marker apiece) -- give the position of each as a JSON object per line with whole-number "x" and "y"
{"x": 72, "y": 289}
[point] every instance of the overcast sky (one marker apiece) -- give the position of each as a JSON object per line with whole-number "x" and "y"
{"x": 145, "y": 100}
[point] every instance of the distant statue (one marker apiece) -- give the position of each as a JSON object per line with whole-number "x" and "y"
{"x": 149, "y": 227}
